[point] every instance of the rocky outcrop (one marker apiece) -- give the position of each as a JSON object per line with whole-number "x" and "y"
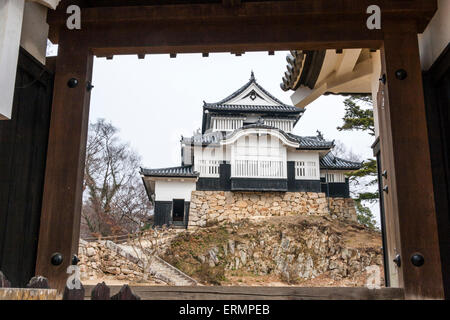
{"x": 293, "y": 248}
{"x": 209, "y": 207}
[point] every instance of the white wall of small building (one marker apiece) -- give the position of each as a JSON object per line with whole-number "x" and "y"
{"x": 169, "y": 189}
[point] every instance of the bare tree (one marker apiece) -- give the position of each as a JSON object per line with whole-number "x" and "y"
{"x": 114, "y": 199}
{"x": 341, "y": 151}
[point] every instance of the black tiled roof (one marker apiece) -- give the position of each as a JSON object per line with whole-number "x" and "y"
{"x": 295, "y": 61}
{"x": 182, "y": 171}
{"x": 204, "y": 139}
{"x": 251, "y": 108}
{"x": 222, "y": 106}
{"x": 214, "y": 138}
{"x": 312, "y": 142}
{"x": 303, "y": 69}
{"x": 330, "y": 161}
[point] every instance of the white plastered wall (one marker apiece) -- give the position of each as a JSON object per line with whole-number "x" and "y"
{"x": 298, "y": 155}
{"x": 169, "y": 189}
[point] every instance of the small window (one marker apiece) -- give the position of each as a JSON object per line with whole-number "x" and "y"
{"x": 306, "y": 170}
{"x": 335, "y": 178}
{"x": 178, "y": 209}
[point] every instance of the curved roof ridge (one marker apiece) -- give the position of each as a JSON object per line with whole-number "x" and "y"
{"x": 330, "y": 161}
{"x": 179, "y": 171}
{"x": 258, "y": 126}
{"x": 167, "y": 168}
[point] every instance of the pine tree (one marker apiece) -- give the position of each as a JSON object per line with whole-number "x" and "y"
{"x": 358, "y": 118}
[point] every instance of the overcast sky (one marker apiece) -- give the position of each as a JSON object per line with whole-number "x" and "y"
{"x": 156, "y": 100}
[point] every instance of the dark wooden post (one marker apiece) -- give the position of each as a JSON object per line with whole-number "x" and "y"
{"x": 4, "y": 283}
{"x": 61, "y": 205}
{"x": 38, "y": 282}
{"x": 125, "y": 293}
{"x": 410, "y": 213}
{"x": 101, "y": 292}
{"x": 74, "y": 294}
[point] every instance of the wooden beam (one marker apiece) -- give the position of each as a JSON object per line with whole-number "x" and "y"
{"x": 258, "y": 293}
{"x": 347, "y": 61}
{"x": 231, "y": 3}
{"x": 417, "y": 9}
{"x": 334, "y": 24}
{"x": 239, "y": 36}
{"x": 410, "y": 211}
{"x": 61, "y": 203}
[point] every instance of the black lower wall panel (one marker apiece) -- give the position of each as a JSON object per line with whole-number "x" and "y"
{"x": 225, "y": 176}
{"x": 23, "y": 150}
{"x": 295, "y": 185}
{"x": 222, "y": 183}
{"x": 305, "y": 186}
{"x": 163, "y": 213}
{"x": 186, "y": 213}
{"x": 336, "y": 190}
{"x": 211, "y": 184}
{"x": 250, "y": 184}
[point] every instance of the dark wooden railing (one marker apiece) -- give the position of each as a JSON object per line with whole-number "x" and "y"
{"x": 100, "y": 292}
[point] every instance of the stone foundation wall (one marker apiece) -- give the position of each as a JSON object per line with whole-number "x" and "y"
{"x": 99, "y": 259}
{"x": 99, "y": 262}
{"x": 225, "y": 206}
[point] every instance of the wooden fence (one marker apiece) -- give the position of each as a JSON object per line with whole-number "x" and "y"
{"x": 118, "y": 238}
{"x": 38, "y": 289}
{"x": 104, "y": 292}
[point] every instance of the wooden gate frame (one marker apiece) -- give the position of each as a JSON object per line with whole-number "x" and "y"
{"x": 256, "y": 26}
